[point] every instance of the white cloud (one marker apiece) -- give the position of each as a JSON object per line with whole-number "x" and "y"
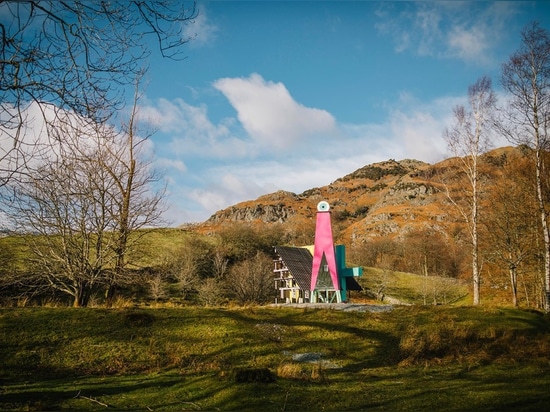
{"x": 418, "y": 136}
{"x": 235, "y": 185}
{"x": 459, "y": 30}
{"x": 42, "y": 132}
{"x": 201, "y": 30}
{"x": 427, "y": 22}
{"x": 178, "y": 165}
{"x": 269, "y": 114}
{"x": 192, "y": 132}
{"x": 178, "y": 116}
{"x": 406, "y": 133}
{"x": 468, "y": 44}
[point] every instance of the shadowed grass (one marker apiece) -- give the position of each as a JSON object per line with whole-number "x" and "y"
{"x": 413, "y": 358}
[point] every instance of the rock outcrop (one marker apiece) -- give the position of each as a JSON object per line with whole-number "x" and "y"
{"x": 390, "y": 198}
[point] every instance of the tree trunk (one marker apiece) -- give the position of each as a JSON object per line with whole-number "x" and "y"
{"x": 475, "y": 244}
{"x": 514, "y": 284}
{"x": 110, "y": 295}
{"x": 544, "y": 222}
{"x": 82, "y": 296}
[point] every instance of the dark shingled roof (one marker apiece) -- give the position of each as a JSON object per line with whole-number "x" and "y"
{"x": 352, "y": 284}
{"x": 299, "y": 262}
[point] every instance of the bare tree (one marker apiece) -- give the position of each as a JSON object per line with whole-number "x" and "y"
{"x": 211, "y": 291}
{"x": 81, "y": 204}
{"x": 56, "y": 212}
{"x": 219, "y": 263}
{"x": 251, "y": 280}
{"x": 511, "y": 225}
{"x": 185, "y": 270}
{"x": 157, "y": 286}
{"x": 134, "y": 205}
{"x": 526, "y": 119}
{"x": 468, "y": 138}
{"x": 427, "y": 252}
{"x": 76, "y": 56}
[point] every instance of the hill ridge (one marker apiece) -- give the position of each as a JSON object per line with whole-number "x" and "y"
{"x": 387, "y": 198}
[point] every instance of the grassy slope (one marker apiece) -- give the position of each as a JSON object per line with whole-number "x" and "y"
{"x": 413, "y": 358}
{"x": 153, "y": 246}
{"x": 415, "y": 289}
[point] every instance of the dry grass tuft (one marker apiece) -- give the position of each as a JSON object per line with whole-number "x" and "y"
{"x": 301, "y": 371}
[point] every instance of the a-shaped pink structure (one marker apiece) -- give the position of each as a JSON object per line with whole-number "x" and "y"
{"x": 324, "y": 255}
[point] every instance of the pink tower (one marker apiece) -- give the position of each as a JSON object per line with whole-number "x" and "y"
{"x": 324, "y": 259}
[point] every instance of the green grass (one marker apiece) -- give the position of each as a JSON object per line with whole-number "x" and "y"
{"x": 413, "y": 358}
{"x": 154, "y": 245}
{"x": 415, "y": 289}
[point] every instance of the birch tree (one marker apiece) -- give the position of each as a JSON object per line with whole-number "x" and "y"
{"x": 526, "y": 117}
{"x": 467, "y": 139}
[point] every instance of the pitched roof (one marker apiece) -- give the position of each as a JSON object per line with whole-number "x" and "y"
{"x": 352, "y": 284}
{"x": 299, "y": 261}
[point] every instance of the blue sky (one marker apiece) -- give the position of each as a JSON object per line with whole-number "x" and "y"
{"x": 293, "y": 95}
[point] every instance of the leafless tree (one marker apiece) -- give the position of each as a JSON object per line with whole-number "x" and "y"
{"x": 211, "y": 291}
{"x": 251, "y": 280}
{"x": 133, "y": 204}
{"x": 157, "y": 286}
{"x": 77, "y": 56}
{"x": 511, "y": 226}
{"x": 468, "y": 138}
{"x": 427, "y": 252}
{"x": 239, "y": 242}
{"x": 186, "y": 273}
{"x": 219, "y": 263}
{"x": 526, "y": 119}
{"x": 55, "y": 210}
{"x": 82, "y": 206}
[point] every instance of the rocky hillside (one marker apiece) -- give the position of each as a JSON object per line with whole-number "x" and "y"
{"x": 389, "y": 198}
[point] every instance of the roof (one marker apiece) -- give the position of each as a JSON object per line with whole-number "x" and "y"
{"x": 352, "y": 284}
{"x": 299, "y": 261}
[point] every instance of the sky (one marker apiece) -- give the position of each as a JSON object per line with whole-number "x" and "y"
{"x": 292, "y": 95}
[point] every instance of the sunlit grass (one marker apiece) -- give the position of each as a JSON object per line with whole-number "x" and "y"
{"x": 415, "y": 289}
{"x": 412, "y": 358}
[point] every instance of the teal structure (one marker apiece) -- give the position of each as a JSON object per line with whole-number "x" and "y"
{"x": 344, "y": 272}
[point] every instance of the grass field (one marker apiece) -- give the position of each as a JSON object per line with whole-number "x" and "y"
{"x": 274, "y": 359}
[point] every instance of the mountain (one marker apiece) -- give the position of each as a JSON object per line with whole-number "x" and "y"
{"x": 389, "y": 198}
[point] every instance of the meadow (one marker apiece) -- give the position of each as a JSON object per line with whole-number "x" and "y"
{"x": 274, "y": 359}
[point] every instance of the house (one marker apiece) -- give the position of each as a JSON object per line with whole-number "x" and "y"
{"x": 293, "y": 268}
{"x": 321, "y": 276}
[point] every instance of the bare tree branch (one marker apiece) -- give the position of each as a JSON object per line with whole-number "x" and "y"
{"x": 76, "y": 57}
